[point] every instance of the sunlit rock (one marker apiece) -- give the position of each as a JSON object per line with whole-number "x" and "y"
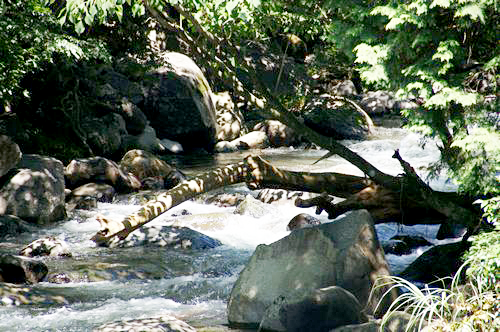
{"x": 178, "y": 102}
{"x": 144, "y": 164}
{"x": 253, "y": 207}
{"x": 229, "y": 117}
{"x": 278, "y": 133}
{"x": 35, "y": 191}
{"x": 169, "y": 236}
{"x": 48, "y": 246}
{"x": 99, "y": 170}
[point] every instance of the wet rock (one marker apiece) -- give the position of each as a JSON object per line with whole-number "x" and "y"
{"x": 320, "y": 310}
{"x": 18, "y": 295}
{"x": 160, "y": 323}
{"x": 395, "y": 247}
{"x": 450, "y": 231}
{"x": 171, "y": 146}
{"x": 344, "y": 253}
{"x": 178, "y": 103}
{"x": 146, "y": 140}
{"x": 278, "y": 133}
{"x": 99, "y": 170}
{"x": 412, "y": 241}
{"x": 35, "y": 191}
{"x": 21, "y": 270}
{"x": 48, "y": 246}
{"x": 12, "y": 226}
{"x": 269, "y": 196}
{"x": 302, "y": 220}
{"x": 10, "y": 154}
{"x": 102, "y": 192}
{"x": 225, "y": 199}
{"x": 253, "y": 207}
{"x": 169, "y": 236}
{"x": 438, "y": 262}
{"x": 144, "y": 164}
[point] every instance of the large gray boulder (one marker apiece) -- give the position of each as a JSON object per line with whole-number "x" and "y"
{"x": 10, "y": 154}
{"x": 178, "y": 103}
{"x": 344, "y": 253}
{"x": 35, "y": 192}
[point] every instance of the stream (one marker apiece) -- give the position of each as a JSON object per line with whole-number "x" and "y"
{"x": 194, "y": 285}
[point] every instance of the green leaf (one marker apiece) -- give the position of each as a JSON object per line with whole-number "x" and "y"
{"x": 440, "y": 3}
{"x": 119, "y": 12}
{"x": 79, "y": 27}
{"x": 473, "y": 10}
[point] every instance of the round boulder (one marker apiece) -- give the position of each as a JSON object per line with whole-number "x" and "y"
{"x": 179, "y": 103}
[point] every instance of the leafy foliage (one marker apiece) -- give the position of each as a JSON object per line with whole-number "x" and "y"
{"x": 443, "y": 54}
{"x": 30, "y": 37}
{"x": 484, "y": 259}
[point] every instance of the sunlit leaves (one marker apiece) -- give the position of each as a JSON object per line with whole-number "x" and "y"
{"x": 473, "y": 11}
{"x": 446, "y": 96}
{"x": 371, "y": 55}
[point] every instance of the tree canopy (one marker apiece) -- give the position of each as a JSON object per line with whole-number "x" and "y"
{"x": 443, "y": 54}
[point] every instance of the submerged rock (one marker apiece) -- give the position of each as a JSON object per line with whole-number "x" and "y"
{"x": 159, "y": 324}
{"x": 18, "y": 295}
{"x": 169, "y": 236}
{"x": 436, "y": 263}
{"x": 21, "y": 270}
{"x": 49, "y": 246}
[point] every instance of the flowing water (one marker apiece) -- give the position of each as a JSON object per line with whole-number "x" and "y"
{"x": 192, "y": 285}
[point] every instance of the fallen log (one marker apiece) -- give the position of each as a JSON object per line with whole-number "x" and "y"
{"x": 361, "y": 193}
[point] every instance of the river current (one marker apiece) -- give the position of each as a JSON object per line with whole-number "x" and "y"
{"x": 194, "y": 285}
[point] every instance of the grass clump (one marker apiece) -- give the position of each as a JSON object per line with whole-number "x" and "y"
{"x": 468, "y": 304}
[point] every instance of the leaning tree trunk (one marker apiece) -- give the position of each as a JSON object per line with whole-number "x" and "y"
{"x": 360, "y": 193}
{"x": 221, "y": 50}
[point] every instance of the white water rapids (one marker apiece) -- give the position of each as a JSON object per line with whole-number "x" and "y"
{"x": 189, "y": 284}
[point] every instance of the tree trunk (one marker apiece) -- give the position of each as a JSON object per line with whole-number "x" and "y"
{"x": 221, "y": 50}
{"x": 360, "y": 193}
